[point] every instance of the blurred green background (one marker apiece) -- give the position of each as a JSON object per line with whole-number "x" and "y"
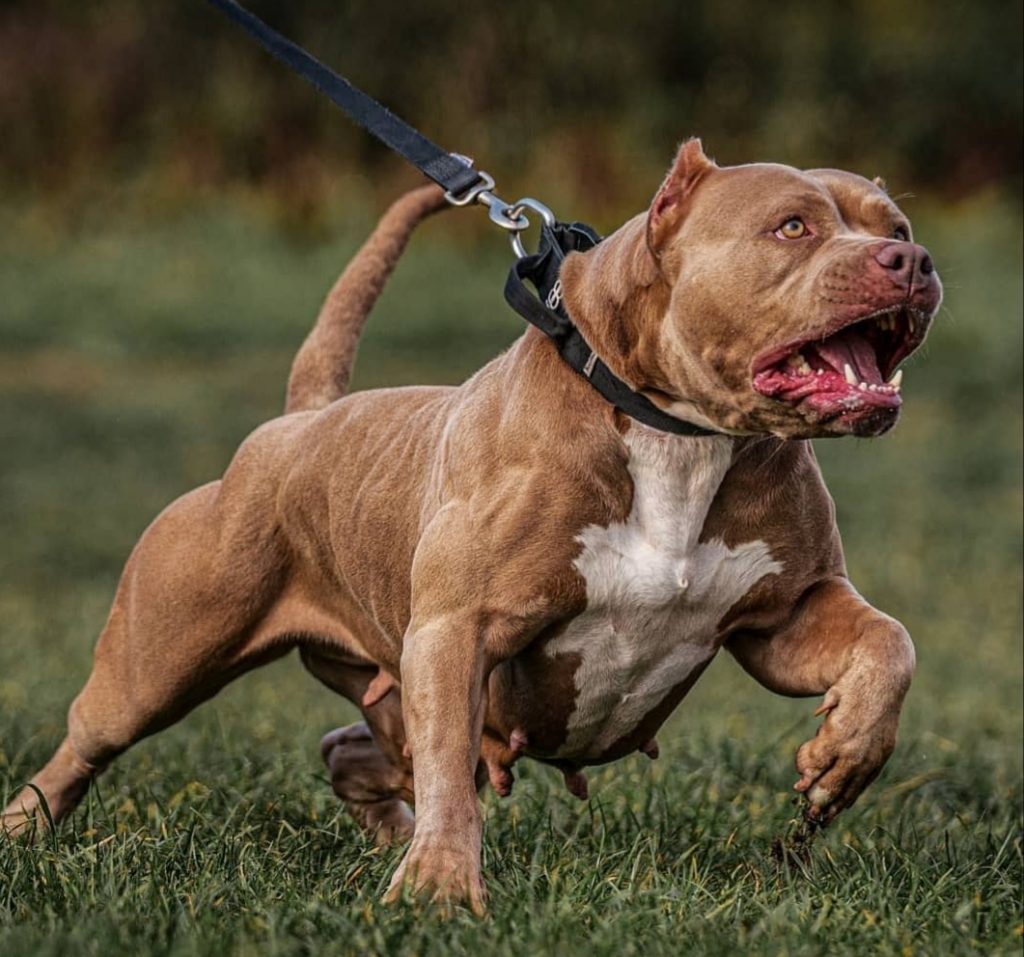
{"x": 582, "y": 101}
{"x": 173, "y": 206}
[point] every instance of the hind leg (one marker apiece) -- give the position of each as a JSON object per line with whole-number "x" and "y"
{"x": 369, "y": 762}
{"x": 369, "y": 768}
{"x": 183, "y": 624}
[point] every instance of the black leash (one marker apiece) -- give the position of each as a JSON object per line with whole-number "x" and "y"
{"x": 435, "y": 163}
{"x": 464, "y": 185}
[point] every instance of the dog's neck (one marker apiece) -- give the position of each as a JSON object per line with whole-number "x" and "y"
{"x": 619, "y": 298}
{"x": 616, "y": 297}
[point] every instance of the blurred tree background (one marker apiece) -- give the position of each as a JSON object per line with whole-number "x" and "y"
{"x": 580, "y": 102}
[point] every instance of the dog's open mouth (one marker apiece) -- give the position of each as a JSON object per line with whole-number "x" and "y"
{"x": 847, "y": 371}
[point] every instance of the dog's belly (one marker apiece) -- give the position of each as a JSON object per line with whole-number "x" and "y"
{"x": 655, "y": 597}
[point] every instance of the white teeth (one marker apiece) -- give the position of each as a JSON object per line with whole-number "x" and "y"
{"x": 896, "y": 379}
{"x": 799, "y": 363}
{"x": 851, "y": 376}
{"x": 910, "y": 322}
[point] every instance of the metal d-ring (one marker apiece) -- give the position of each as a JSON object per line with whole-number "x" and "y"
{"x": 516, "y": 212}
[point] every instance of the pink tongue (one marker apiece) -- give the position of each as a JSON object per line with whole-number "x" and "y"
{"x": 851, "y": 348}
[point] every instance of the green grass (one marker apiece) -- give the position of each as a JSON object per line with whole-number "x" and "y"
{"x": 135, "y": 358}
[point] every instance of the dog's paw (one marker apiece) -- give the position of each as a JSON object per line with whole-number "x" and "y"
{"x": 843, "y": 758}
{"x": 23, "y": 818}
{"x": 442, "y": 873}
{"x": 374, "y": 790}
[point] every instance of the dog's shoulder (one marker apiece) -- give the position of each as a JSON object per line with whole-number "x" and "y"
{"x": 774, "y": 492}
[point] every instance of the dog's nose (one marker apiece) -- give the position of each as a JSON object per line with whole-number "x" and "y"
{"x": 908, "y": 264}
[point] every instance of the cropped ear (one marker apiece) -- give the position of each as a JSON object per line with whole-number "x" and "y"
{"x": 671, "y": 201}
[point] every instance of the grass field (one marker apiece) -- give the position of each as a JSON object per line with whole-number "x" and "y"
{"x": 134, "y": 359}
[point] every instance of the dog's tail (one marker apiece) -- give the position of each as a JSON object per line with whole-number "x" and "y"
{"x": 323, "y": 366}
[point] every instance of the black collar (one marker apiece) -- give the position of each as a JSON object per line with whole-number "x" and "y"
{"x": 547, "y": 312}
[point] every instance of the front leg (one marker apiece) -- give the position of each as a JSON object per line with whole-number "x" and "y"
{"x": 862, "y": 661}
{"x": 442, "y": 691}
{"x": 486, "y": 579}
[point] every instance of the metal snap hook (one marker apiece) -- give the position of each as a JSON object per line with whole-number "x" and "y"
{"x": 472, "y": 194}
{"x": 502, "y": 214}
{"x": 510, "y": 216}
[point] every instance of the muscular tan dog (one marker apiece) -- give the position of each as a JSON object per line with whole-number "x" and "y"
{"x": 512, "y": 567}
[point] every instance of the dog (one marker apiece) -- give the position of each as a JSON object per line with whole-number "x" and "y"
{"x": 512, "y": 567}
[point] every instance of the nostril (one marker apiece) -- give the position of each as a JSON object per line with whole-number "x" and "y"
{"x": 927, "y": 266}
{"x": 901, "y": 260}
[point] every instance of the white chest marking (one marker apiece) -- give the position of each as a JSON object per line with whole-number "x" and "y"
{"x": 655, "y": 594}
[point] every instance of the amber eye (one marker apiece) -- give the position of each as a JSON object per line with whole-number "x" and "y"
{"x": 792, "y": 228}
{"x": 901, "y": 233}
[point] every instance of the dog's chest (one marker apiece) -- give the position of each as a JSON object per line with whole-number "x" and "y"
{"x": 655, "y": 593}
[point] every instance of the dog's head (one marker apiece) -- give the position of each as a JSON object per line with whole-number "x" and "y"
{"x": 767, "y": 299}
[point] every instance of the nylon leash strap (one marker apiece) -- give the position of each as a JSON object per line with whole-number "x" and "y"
{"x": 464, "y": 185}
{"x": 444, "y": 168}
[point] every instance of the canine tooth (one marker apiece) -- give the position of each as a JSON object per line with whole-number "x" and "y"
{"x": 849, "y": 373}
{"x": 910, "y": 322}
{"x": 896, "y": 379}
